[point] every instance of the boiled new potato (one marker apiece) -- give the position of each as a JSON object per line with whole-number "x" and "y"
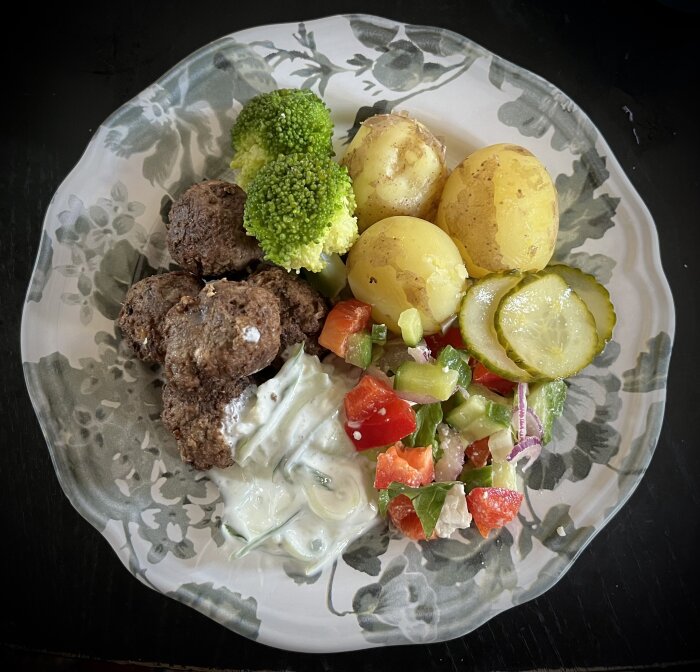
{"x": 499, "y": 206}
{"x": 406, "y": 262}
{"x": 397, "y": 167}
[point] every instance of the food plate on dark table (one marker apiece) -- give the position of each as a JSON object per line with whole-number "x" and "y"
{"x": 100, "y": 407}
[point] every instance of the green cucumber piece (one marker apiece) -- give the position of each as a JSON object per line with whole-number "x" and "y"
{"x": 546, "y": 327}
{"x": 430, "y": 379}
{"x": 504, "y": 476}
{"x": 359, "y": 351}
{"x": 483, "y": 391}
{"x": 476, "y": 324}
{"x": 455, "y": 400}
{"x": 482, "y": 428}
{"x": 411, "y": 326}
{"x": 547, "y": 401}
{"x": 337, "y": 499}
{"x": 595, "y": 296}
{"x": 478, "y": 417}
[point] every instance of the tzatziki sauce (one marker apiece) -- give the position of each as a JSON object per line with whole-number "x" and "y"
{"x": 298, "y": 487}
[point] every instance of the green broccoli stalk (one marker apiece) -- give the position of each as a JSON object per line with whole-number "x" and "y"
{"x": 300, "y": 208}
{"x": 277, "y": 123}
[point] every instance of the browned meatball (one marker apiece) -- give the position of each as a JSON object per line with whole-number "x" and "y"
{"x": 143, "y": 313}
{"x": 205, "y": 230}
{"x": 195, "y": 419}
{"x": 228, "y": 331}
{"x": 302, "y": 309}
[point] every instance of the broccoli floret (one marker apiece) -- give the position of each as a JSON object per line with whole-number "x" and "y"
{"x": 300, "y": 208}
{"x": 277, "y": 123}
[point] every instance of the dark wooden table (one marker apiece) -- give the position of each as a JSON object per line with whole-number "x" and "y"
{"x": 630, "y": 600}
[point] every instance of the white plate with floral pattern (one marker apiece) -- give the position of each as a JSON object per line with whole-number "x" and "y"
{"x": 99, "y": 408}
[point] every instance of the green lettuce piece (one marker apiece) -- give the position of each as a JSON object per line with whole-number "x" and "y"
{"x": 428, "y": 501}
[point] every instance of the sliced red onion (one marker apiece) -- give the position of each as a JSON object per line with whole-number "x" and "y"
{"x": 533, "y": 424}
{"x": 421, "y": 353}
{"x": 416, "y": 397}
{"x": 529, "y": 448}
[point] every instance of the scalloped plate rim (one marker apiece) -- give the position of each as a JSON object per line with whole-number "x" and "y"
{"x": 615, "y": 170}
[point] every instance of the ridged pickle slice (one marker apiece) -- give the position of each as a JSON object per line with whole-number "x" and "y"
{"x": 546, "y": 328}
{"x": 595, "y": 296}
{"x": 476, "y": 323}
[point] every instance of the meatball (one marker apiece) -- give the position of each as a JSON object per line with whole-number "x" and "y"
{"x": 195, "y": 419}
{"x": 302, "y": 309}
{"x": 143, "y": 313}
{"x": 228, "y": 331}
{"x": 205, "y": 230}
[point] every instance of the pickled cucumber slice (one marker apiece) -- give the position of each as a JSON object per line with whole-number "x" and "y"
{"x": 546, "y": 327}
{"x": 476, "y": 323}
{"x": 595, "y": 296}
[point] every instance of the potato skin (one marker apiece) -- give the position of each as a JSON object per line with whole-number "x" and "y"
{"x": 500, "y": 208}
{"x": 403, "y": 262}
{"x": 397, "y": 167}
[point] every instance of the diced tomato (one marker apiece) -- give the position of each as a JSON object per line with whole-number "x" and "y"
{"x": 493, "y": 507}
{"x": 405, "y": 518}
{"x": 410, "y": 466}
{"x": 437, "y": 342}
{"x": 393, "y": 421}
{"x": 375, "y": 415}
{"x": 367, "y": 397}
{"x": 481, "y": 375}
{"x": 479, "y": 452}
{"x": 346, "y": 317}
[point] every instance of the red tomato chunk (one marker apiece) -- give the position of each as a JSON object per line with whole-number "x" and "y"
{"x": 481, "y": 375}
{"x": 492, "y": 508}
{"x": 479, "y": 452}
{"x": 375, "y": 415}
{"x": 346, "y": 318}
{"x": 437, "y": 342}
{"x": 405, "y": 518}
{"x": 410, "y": 466}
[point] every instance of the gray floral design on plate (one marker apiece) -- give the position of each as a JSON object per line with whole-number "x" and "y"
{"x": 99, "y": 408}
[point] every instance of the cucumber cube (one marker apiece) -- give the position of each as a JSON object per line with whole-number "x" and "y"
{"x": 478, "y": 417}
{"x": 430, "y": 379}
{"x": 504, "y": 476}
{"x": 547, "y": 401}
{"x": 359, "y": 352}
{"x": 411, "y": 326}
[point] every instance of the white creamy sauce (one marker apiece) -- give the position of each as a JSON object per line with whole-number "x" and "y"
{"x": 298, "y": 486}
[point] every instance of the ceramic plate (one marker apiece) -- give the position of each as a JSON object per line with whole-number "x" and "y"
{"x": 99, "y": 407}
